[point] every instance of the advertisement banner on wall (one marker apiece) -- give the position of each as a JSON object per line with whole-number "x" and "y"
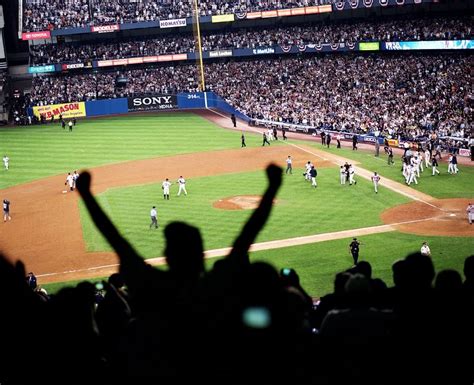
{"x": 36, "y": 35}
{"x": 222, "y": 18}
{"x": 428, "y": 45}
{"x": 392, "y": 142}
{"x": 369, "y": 46}
{"x": 41, "y": 69}
{"x": 67, "y": 110}
{"x": 173, "y": 23}
{"x": 66, "y": 67}
{"x": 152, "y": 102}
{"x": 222, "y": 53}
{"x": 105, "y": 28}
{"x": 464, "y": 152}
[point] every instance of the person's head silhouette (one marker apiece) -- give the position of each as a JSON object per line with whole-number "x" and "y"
{"x": 184, "y": 249}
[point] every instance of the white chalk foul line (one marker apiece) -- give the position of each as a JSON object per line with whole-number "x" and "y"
{"x": 269, "y": 245}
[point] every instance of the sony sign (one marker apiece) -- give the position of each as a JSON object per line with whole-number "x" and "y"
{"x": 153, "y": 102}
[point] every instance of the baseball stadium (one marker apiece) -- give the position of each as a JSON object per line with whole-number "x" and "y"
{"x": 237, "y": 192}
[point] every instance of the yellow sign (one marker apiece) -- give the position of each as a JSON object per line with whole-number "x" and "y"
{"x": 223, "y": 18}
{"x": 67, "y": 110}
{"x": 393, "y": 142}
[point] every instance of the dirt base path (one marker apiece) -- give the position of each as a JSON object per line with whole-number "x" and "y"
{"x": 46, "y": 231}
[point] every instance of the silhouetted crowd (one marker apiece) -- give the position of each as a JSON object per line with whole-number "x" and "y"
{"x": 240, "y": 322}
{"x": 39, "y": 15}
{"x": 403, "y": 97}
{"x": 383, "y": 30}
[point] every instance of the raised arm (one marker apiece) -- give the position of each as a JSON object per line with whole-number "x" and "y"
{"x": 258, "y": 218}
{"x": 130, "y": 262}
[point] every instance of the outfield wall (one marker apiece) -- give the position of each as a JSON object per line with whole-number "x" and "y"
{"x": 142, "y": 103}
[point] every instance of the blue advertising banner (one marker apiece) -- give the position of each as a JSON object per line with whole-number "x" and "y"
{"x": 107, "y": 107}
{"x": 191, "y": 100}
{"x": 428, "y": 45}
{"x": 42, "y": 69}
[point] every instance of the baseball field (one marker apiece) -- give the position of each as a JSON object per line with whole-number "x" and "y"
{"x": 309, "y": 228}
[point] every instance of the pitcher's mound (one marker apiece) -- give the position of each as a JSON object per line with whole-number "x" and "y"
{"x": 239, "y": 202}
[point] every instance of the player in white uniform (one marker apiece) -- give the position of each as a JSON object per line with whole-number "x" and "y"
{"x": 376, "y": 179}
{"x": 342, "y": 175}
{"x": 420, "y": 161}
{"x": 70, "y": 181}
{"x": 165, "y": 186}
{"x": 6, "y": 159}
{"x": 352, "y": 175}
{"x": 427, "y": 158}
{"x": 406, "y": 172}
{"x": 182, "y": 186}
{"x": 450, "y": 165}
{"x": 412, "y": 175}
{"x": 307, "y": 175}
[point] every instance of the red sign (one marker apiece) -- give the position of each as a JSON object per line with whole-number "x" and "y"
{"x": 105, "y": 28}
{"x": 36, "y": 35}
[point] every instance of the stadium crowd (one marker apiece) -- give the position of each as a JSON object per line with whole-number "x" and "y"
{"x": 240, "y": 322}
{"x": 403, "y": 96}
{"x": 39, "y": 15}
{"x": 380, "y": 30}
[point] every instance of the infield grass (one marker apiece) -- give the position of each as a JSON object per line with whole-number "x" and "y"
{"x": 300, "y": 209}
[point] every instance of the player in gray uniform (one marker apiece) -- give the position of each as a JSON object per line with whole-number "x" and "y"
{"x": 470, "y": 213}
{"x": 154, "y": 220}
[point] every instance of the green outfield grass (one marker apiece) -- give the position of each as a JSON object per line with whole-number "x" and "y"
{"x": 441, "y": 186}
{"x": 301, "y": 209}
{"x": 318, "y": 263}
{"x": 44, "y": 150}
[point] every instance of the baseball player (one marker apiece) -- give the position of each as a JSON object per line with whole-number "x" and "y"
{"x": 265, "y": 139}
{"x": 470, "y": 213}
{"x": 420, "y": 161}
{"x": 376, "y": 179}
{"x": 182, "y": 186}
{"x": 406, "y": 171}
{"x": 455, "y": 163}
{"x": 425, "y": 249}
{"x": 313, "y": 174}
{"x": 412, "y": 178}
{"x": 70, "y": 125}
{"x": 6, "y": 210}
{"x": 342, "y": 175}
{"x": 75, "y": 176}
{"x": 154, "y": 220}
{"x": 289, "y": 165}
{"x": 434, "y": 165}
{"x": 307, "y": 174}
{"x": 70, "y": 181}
{"x": 450, "y": 164}
{"x": 6, "y": 159}
{"x": 351, "y": 175}
{"x": 427, "y": 158}
{"x": 165, "y": 186}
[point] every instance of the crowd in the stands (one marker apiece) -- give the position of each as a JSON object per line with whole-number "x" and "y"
{"x": 380, "y": 30}
{"x": 39, "y": 15}
{"x": 239, "y": 322}
{"x": 402, "y": 96}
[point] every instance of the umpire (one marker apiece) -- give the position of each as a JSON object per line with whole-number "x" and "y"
{"x": 354, "y": 249}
